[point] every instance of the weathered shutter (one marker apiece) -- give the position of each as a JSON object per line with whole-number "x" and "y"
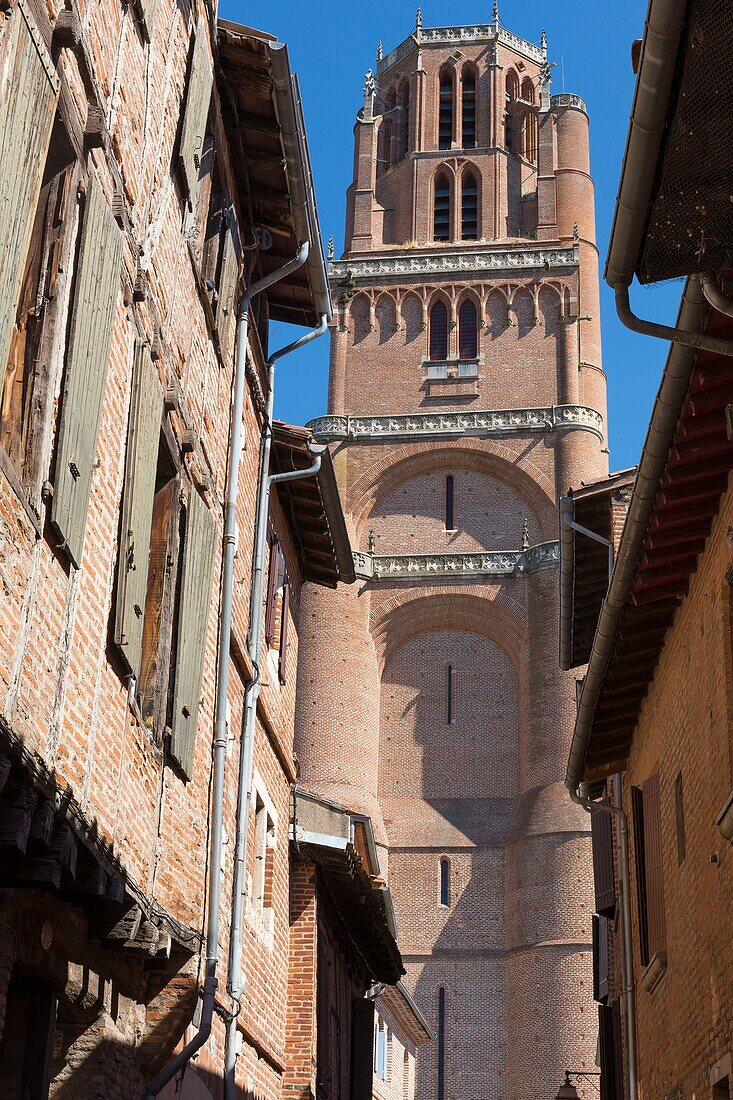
{"x": 143, "y": 437}
{"x": 193, "y": 129}
{"x": 362, "y": 1049}
{"x": 194, "y": 599}
{"x": 282, "y": 657}
{"x": 29, "y": 87}
{"x": 147, "y": 11}
{"x": 603, "y": 864}
{"x": 607, "y": 1052}
{"x": 272, "y": 579}
{"x": 226, "y": 308}
{"x": 654, "y": 871}
{"x": 600, "y": 958}
{"x": 95, "y": 298}
{"x": 637, "y": 810}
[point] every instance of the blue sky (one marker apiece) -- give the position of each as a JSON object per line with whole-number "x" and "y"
{"x": 331, "y": 45}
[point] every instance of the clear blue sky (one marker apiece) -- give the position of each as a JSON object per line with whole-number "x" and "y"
{"x": 331, "y": 45}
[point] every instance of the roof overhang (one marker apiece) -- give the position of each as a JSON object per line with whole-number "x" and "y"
{"x": 674, "y": 214}
{"x": 313, "y": 507}
{"x": 682, "y": 473}
{"x": 342, "y": 845}
{"x": 263, "y": 115}
{"x": 399, "y": 1003}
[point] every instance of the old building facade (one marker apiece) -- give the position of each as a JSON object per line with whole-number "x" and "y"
{"x": 466, "y": 393}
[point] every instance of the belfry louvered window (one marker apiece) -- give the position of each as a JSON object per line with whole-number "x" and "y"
{"x": 439, "y": 331}
{"x": 468, "y": 110}
{"x": 445, "y": 112}
{"x": 467, "y": 330}
{"x": 441, "y": 208}
{"x": 469, "y": 207}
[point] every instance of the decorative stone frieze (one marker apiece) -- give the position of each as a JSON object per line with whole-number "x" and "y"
{"x": 494, "y": 260}
{"x": 485, "y": 563}
{"x": 472, "y": 33}
{"x": 416, "y": 426}
{"x": 567, "y": 99}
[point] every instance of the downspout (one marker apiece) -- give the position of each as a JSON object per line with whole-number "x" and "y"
{"x": 246, "y": 753}
{"x": 715, "y": 295}
{"x": 627, "y": 959}
{"x": 697, "y": 340}
{"x": 220, "y": 729}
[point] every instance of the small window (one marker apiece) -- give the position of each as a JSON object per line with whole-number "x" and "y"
{"x": 468, "y": 330}
{"x": 439, "y": 332}
{"x": 468, "y": 112}
{"x": 380, "y": 1049}
{"x": 721, "y": 1089}
{"x": 26, "y": 1045}
{"x": 445, "y": 111}
{"x": 445, "y": 882}
{"x": 449, "y": 513}
{"x": 262, "y": 872}
{"x": 441, "y": 1043}
{"x": 450, "y": 709}
{"x": 679, "y": 809}
{"x": 441, "y": 210}
{"x": 469, "y": 207}
{"x": 648, "y": 866}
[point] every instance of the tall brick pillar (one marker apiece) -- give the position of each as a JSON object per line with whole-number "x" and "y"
{"x": 466, "y": 394}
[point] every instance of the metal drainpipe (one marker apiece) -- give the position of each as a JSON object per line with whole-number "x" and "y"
{"x": 225, "y": 631}
{"x": 667, "y": 332}
{"x": 246, "y": 752}
{"x": 715, "y": 295}
{"x": 627, "y": 959}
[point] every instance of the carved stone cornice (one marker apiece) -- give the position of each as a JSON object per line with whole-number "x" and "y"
{"x": 471, "y": 33}
{"x": 492, "y": 261}
{"x": 567, "y": 99}
{"x": 485, "y": 563}
{"x": 452, "y": 425}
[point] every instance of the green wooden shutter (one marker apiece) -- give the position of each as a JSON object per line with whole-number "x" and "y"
{"x": 226, "y": 309}
{"x": 95, "y": 298}
{"x": 195, "y": 594}
{"x": 193, "y": 130}
{"x": 143, "y": 438}
{"x": 29, "y": 87}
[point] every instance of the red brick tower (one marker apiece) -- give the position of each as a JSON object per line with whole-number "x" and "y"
{"x": 466, "y": 393}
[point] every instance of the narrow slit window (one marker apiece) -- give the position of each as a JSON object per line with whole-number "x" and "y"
{"x": 445, "y": 112}
{"x": 445, "y": 882}
{"x": 468, "y": 330}
{"x": 441, "y": 1043}
{"x": 468, "y": 111}
{"x": 449, "y": 512}
{"x": 450, "y": 695}
{"x": 441, "y": 209}
{"x": 469, "y": 208}
{"x": 404, "y": 119}
{"x": 439, "y": 332}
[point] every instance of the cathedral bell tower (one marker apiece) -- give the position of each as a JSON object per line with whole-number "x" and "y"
{"x": 466, "y": 394}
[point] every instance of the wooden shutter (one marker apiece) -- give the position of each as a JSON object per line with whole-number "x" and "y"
{"x": 637, "y": 809}
{"x": 95, "y": 298}
{"x": 29, "y": 87}
{"x": 362, "y": 1049}
{"x": 272, "y": 586}
{"x": 193, "y": 130}
{"x": 600, "y": 958}
{"x": 603, "y": 862}
{"x": 654, "y": 871}
{"x": 143, "y": 437}
{"x": 439, "y": 332}
{"x": 195, "y": 596}
{"x": 282, "y": 657}
{"x": 226, "y": 309}
{"x": 467, "y": 330}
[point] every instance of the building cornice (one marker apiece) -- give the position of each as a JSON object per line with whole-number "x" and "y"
{"x": 484, "y": 563}
{"x": 441, "y": 425}
{"x": 472, "y": 33}
{"x": 567, "y": 99}
{"x": 490, "y": 260}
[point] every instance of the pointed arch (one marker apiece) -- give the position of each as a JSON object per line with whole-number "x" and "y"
{"x": 446, "y": 97}
{"x": 528, "y": 92}
{"x": 384, "y": 146}
{"x": 468, "y": 328}
{"x": 510, "y": 114}
{"x": 444, "y": 890}
{"x": 438, "y": 330}
{"x": 359, "y": 313}
{"x": 412, "y": 317}
{"x": 442, "y": 204}
{"x": 468, "y": 106}
{"x": 386, "y": 317}
{"x": 469, "y": 204}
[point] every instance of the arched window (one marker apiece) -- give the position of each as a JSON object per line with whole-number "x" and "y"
{"x": 404, "y": 118}
{"x": 384, "y": 146}
{"x": 468, "y": 109}
{"x": 449, "y": 517}
{"x": 445, "y": 110}
{"x": 468, "y": 330}
{"x": 441, "y": 208}
{"x": 439, "y": 332}
{"x": 512, "y": 95}
{"x": 469, "y": 207}
{"x": 445, "y": 881}
{"x": 450, "y": 709}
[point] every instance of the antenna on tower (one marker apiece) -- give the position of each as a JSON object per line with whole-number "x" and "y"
{"x": 562, "y": 71}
